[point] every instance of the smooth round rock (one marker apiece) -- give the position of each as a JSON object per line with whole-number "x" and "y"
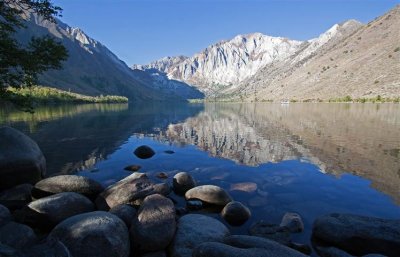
{"x": 49, "y": 248}
{"x": 51, "y": 210}
{"x": 67, "y": 183}
{"x": 182, "y": 182}
{"x": 125, "y": 212}
{"x": 358, "y": 235}
{"x": 235, "y": 213}
{"x": 98, "y": 233}
{"x": 144, "y": 152}
{"x": 194, "y": 229}
{"x": 155, "y": 225}
{"x": 5, "y": 215}
{"x": 194, "y": 205}
{"x": 17, "y": 235}
{"x": 209, "y": 194}
{"x": 293, "y": 222}
{"x": 21, "y": 160}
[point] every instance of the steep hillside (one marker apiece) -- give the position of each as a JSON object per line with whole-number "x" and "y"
{"x": 93, "y": 69}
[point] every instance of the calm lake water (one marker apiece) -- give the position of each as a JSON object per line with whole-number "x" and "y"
{"x": 307, "y": 158}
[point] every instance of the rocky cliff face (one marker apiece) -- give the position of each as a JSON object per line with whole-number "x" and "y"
{"x": 93, "y": 69}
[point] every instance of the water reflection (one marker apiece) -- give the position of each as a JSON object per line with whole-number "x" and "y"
{"x": 76, "y": 137}
{"x": 363, "y": 139}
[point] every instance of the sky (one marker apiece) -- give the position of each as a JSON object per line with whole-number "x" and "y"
{"x": 141, "y": 31}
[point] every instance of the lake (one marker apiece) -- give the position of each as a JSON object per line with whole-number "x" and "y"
{"x": 309, "y": 158}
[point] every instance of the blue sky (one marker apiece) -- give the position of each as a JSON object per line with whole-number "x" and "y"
{"x": 140, "y": 31}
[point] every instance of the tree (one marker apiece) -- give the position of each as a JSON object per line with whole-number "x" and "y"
{"x": 20, "y": 64}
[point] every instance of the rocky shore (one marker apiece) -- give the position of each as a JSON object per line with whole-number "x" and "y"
{"x": 70, "y": 215}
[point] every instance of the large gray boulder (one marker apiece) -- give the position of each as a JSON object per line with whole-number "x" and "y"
{"x": 358, "y": 235}
{"x": 130, "y": 190}
{"x": 209, "y": 194}
{"x": 5, "y": 215}
{"x": 17, "y": 235}
{"x": 274, "y": 248}
{"x": 21, "y": 160}
{"x": 194, "y": 229}
{"x": 93, "y": 234}
{"x": 47, "y": 212}
{"x": 67, "y": 183}
{"x": 155, "y": 225}
{"x": 182, "y": 182}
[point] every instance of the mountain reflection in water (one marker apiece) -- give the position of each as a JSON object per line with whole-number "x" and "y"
{"x": 363, "y": 139}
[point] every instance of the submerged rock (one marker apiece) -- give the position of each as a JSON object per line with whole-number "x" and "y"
{"x": 155, "y": 225}
{"x": 67, "y": 183}
{"x": 133, "y": 168}
{"x": 182, "y": 182}
{"x": 162, "y": 175}
{"x": 21, "y": 160}
{"x": 293, "y": 222}
{"x": 98, "y": 233}
{"x": 215, "y": 249}
{"x": 144, "y": 152}
{"x": 235, "y": 213}
{"x": 194, "y": 229}
{"x": 16, "y": 197}
{"x": 358, "y": 235}
{"x": 130, "y": 190}
{"x": 194, "y": 205}
{"x": 49, "y": 211}
{"x": 125, "y": 212}
{"x": 209, "y": 194}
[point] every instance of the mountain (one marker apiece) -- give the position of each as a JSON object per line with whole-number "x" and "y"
{"x": 350, "y": 58}
{"x": 226, "y": 63}
{"x": 93, "y": 69}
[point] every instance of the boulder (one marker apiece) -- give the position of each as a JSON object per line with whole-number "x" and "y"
{"x": 209, "y": 194}
{"x": 67, "y": 183}
{"x": 17, "y": 235}
{"x": 5, "y": 215}
{"x": 21, "y": 160}
{"x": 271, "y": 231}
{"x": 16, "y": 197}
{"x": 155, "y": 225}
{"x": 274, "y": 248}
{"x": 144, "y": 152}
{"x": 194, "y": 229}
{"x": 98, "y": 233}
{"x": 235, "y": 213}
{"x": 194, "y": 205}
{"x": 125, "y": 212}
{"x": 293, "y": 222}
{"x": 130, "y": 190}
{"x": 182, "y": 182}
{"x": 215, "y": 249}
{"x": 358, "y": 235}
{"x": 48, "y": 211}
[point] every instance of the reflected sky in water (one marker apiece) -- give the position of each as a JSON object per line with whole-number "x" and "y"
{"x": 309, "y": 158}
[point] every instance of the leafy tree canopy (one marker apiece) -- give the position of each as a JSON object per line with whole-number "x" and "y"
{"x": 20, "y": 64}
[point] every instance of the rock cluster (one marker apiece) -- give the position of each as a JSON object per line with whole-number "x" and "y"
{"x": 76, "y": 216}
